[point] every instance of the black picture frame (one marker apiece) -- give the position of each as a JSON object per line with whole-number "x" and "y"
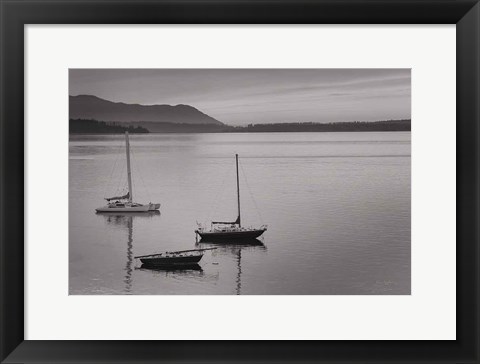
{"x": 15, "y": 14}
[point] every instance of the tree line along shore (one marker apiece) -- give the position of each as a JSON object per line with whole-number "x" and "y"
{"x": 89, "y": 126}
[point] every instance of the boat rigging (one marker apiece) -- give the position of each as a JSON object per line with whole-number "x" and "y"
{"x": 125, "y": 202}
{"x": 222, "y": 230}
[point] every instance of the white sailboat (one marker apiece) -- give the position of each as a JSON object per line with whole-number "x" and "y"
{"x": 125, "y": 203}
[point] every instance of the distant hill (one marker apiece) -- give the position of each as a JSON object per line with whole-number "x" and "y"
{"x": 92, "y": 107}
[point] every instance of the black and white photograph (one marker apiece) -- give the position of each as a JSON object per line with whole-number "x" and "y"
{"x": 239, "y": 181}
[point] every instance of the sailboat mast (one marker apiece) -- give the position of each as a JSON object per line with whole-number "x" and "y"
{"x": 238, "y": 191}
{"x": 129, "y": 172}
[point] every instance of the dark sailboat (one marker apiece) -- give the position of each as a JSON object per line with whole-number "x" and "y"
{"x": 222, "y": 231}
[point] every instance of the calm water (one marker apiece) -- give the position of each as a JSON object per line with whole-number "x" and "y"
{"x": 337, "y": 207}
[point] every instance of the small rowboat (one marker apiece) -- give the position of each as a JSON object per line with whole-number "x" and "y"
{"x": 178, "y": 258}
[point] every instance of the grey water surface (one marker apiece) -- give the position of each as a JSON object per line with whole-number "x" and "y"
{"x": 337, "y": 206}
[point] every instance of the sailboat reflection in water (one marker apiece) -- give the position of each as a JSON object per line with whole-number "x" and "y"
{"x": 223, "y": 231}
{"x": 235, "y": 248}
{"x": 126, "y": 220}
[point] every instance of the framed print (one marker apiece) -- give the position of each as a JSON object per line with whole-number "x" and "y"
{"x": 239, "y": 181}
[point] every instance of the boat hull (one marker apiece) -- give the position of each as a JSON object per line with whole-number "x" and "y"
{"x": 171, "y": 261}
{"x": 142, "y": 208}
{"x": 154, "y": 206}
{"x": 173, "y": 268}
{"x": 230, "y": 235}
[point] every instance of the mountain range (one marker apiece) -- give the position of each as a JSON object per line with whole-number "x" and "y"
{"x": 93, "y": 107}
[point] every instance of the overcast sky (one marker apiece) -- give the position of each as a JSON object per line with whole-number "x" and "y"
{"x": 243, "y": 96}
